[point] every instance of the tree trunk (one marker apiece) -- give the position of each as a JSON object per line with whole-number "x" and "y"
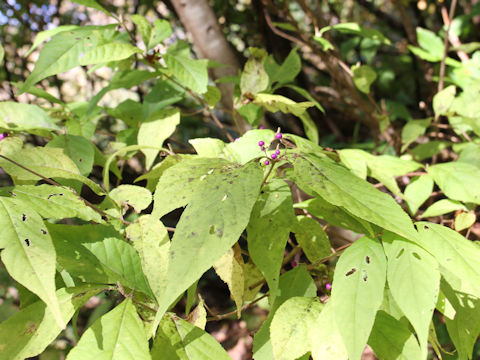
{"x": 209, "y": 40}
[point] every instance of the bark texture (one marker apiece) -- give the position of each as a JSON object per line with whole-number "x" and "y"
{"x": 199, "y": 20}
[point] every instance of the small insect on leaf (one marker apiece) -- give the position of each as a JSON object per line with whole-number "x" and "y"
{"x": 351, "y": 272}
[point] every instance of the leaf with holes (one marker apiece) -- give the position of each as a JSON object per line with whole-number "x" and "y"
{"x": 34, "y": 327}
{"x": 150, "y": 239}
{"x": 52, "y": 202}
{"x": 28, "y": 252}
{"x": 336, "y": 185}
{"x": 268, "y": 231}
{"x": 413, "y": 271}
{"x": 357, "y": 292}
{"x": 296, "y": 282}
{"x": 202, "y": 237}
{"x": 292, "y": 326}
{"x": 179, "y": 340}
{"x": 274, "y": 103}
{"x": 119, "y": 334}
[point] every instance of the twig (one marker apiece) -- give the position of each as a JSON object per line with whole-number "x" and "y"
{"x": 445, "y": 51}
{"x": 231, "y": 313}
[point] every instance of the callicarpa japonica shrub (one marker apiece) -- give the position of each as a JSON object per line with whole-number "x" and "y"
{"x": 121, "y": 209}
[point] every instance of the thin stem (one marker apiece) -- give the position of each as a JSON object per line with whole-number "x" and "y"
{"x": 272, "y": 165}
{"x": 50, "y": 181}
{"x": 231, "y": 313}
{"x": 445, "y": 50}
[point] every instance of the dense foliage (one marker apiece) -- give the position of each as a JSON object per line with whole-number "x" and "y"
{"x": 342, "y": 240}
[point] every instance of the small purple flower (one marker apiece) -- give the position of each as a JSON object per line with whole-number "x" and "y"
{"x": 277, "y": 152}
{"x": 261, "y": 127}
{"x": 278, "y": 135}
{"x": 273, "y": 156}
{"x": 236, "y": 139}
{"x": 294, "y": 264}
{"x": 328, "y": 286}
{"x": 261, "y": 143}
{"x": 266, "y": 162}
{"x": 3, "y": 136}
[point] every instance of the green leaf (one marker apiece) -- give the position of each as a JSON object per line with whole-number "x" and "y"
{"x": 274, "y": 103}
{"x": 309, "y": 127}
{"x": 183, "y": 178}
{"x": 112, "y": 51}
{"x": 119, "y": 334}
{"x": 25, "y": 117}
{"x": 49, "y": 162}
{"x": 268, "y": 230}
{"x": 28, "y": 252}
{"x": 94, "y": 254}
{"x": 312, "y": 238}
{"x": 459, "y": 181}
{"x": 324, "y": 43}
{"x": 443, "y": 206}
{"x": 430, "y": 42}
{"x": 391, "y": 339}
{"x": 208, "y": 147}
{"x": 335, "y": 215}
{"x": 357, "y": 292}
{"x": 412, "y": 271}
{"x": 296, "y": 282}
{"x": 162, "y": 125}
{"x": 137, "y": 197}
{"x": 428, "y": 149}
{"x": 254, "y": 78}
{"x": 336, "y": 185}
{"x": 355, "y": 29}
{"x": 412, "y": 130}
{"x": 212, "y": 96}
{"x": 326, "y": 341}
{"x": 464, "y": 324}
{"x": 230, "y": 269}
{"x": 306, "y": 95}
{"x": 363, "y": 78}
{"x": 2, "y": 54}
{"x": 458, "y": 257}
{"x": 417, "y": 192}
{"x": 143, "y": 27}
{"x": 202, "y": 237}
{"x": 72, "y": 48}
{"x": 384, "y": 168}
{"x": 464, "y": 220}
{"x": 34, "y": 327}
{"x": 161, "y": 31}
{"x": 443, "y": 100}
{"x": 77, "y": 148}
{"x": 286, "y": 72}
{"x": 94, "y": 5}
{"x": 52, "y": 202}
{"x": 246, "y": 148}
{"x": 189, "y": 72}
{"x": 252, "y": 113}
{"x": 470, "y": 155}
{"x": 179, "y": 340}
{"x": 423, "y": 54}
{"x": 292, "y": 326}
{"x": 46, "y": 34}
{"x": 150, "y": 239}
